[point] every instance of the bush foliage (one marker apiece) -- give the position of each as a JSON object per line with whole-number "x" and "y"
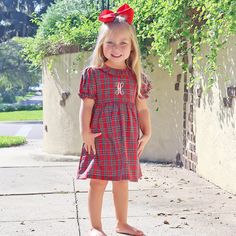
{"x": 15, "y": 74}
{"x": 19, "y": 107}
{"x": 66, "y": 23}
{"x": 192, "y": 23}
{"x": 10, "y": 141}
{"x": 158, "y": 22}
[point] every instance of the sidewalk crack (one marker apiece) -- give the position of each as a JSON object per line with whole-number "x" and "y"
{"x": 76, "y": 207}
{"x": 29, "y": 194}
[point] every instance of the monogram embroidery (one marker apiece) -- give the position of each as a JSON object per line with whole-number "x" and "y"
{"x": 119, "y": 86}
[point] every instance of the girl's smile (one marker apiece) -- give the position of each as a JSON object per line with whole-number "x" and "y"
{"x": 116, "y": 56}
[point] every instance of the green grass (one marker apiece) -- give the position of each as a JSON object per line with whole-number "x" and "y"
{"x": 21, "y": 115}
{"x": 9, "y": 141}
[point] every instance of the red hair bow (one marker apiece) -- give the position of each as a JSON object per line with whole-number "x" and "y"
{"x": 125, "y": 10}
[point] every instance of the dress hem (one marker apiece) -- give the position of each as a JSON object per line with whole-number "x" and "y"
{"x": 82, "y": 177}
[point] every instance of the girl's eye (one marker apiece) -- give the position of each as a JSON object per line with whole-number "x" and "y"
{"x": 123, "y": 43}
{"x": 109, "y": 43}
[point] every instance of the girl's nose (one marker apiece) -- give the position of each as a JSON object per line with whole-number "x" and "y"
{"x": 115, "y": 46}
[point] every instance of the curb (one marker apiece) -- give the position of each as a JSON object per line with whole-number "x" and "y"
{"x": 47, "y": 157}
{"x": 22, "y": 121}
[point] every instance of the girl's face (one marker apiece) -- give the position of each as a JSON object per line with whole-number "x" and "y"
{"x": 117, "y": 47}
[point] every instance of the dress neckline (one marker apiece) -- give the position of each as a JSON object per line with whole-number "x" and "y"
{"x": 114, "y": 71}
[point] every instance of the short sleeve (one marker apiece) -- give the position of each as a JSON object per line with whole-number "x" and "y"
{"x": 87, "y": 87}
{"x": 146, "y": 86}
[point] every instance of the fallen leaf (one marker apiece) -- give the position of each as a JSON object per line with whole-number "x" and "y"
{"x": 161, "y": 214}
{"x": 166, "y": 222}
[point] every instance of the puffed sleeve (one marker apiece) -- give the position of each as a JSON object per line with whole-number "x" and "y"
{"x": 146, "y": 86}
{"x": 87, "y": 87}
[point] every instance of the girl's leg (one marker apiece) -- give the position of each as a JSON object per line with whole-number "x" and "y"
{"x": 95, "y": 198}
{"x": 120, "y": 196}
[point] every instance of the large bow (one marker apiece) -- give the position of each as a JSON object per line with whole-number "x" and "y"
{"x": 125, "y": 10}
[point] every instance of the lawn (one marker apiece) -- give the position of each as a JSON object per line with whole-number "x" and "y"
{"x": 21, "y": 115}
{"x": 9, "y": 141}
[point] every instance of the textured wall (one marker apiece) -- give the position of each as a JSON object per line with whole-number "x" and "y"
{"x": 215, "y": 125}
{"x": 167, "y": 122}
{"x": 61, "y": 117}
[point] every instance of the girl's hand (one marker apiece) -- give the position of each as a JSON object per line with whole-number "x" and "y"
{"x": 141, "y": 144}
{"x": 88, "y": 139}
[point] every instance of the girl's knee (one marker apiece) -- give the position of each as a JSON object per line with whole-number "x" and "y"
{"x": 97, "y": 183}
{"x": 118, "y": 185}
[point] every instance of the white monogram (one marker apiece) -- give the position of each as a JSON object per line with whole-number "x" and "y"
{"x": 119, "y": 86}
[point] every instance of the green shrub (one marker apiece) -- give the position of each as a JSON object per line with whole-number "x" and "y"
{"x": 66, "y": 23}
{"x": 8, "y": 96}
{"x": 18, "y": 107}
{"x": 15, "y": 74}
{"x": 9, "y": 141}
{"x": 190, "y": 22}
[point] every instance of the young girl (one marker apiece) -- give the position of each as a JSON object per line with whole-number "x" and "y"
{"x": 112, "y": 112}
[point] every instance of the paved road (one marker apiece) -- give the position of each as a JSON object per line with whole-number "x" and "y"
{"x": 35, "y": 100}
{"x": 30, "y": 129}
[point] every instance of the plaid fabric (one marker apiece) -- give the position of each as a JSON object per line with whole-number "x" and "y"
{"x": 115, "y": 116}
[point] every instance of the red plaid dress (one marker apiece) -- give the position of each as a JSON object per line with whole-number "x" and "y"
{"x": 114, "y": 115}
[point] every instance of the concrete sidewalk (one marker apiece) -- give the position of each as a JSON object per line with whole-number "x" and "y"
{"x": 41, "y": 197}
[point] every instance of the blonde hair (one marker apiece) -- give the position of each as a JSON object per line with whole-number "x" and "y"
{"x": 133, "y": 62}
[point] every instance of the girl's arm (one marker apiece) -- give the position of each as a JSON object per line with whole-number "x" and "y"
{"x": 85, "y": 114}
{"x": 144, "y": 123}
